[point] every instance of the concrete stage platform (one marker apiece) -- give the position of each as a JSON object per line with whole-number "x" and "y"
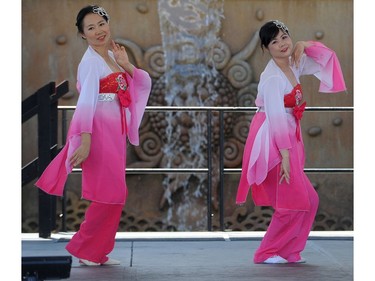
{"x": 203, "y": 256}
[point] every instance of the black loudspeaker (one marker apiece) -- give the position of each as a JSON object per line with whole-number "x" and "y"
{"x": 46, "y": 268}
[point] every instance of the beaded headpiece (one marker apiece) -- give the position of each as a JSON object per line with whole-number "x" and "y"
{"x": 100, "y": 11}
{"x": 281, "y": 25}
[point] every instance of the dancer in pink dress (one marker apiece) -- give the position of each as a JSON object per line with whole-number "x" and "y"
{"x": 113, "y": 95}
{"x": 274, "y": 157}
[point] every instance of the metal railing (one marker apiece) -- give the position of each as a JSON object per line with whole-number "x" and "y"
{"x": 207, "y": 170}
{"x": 43, "y": 104}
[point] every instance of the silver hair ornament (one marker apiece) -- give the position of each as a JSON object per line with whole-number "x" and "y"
{"x": 100, "y": 11}
{"x": 280, "y": 25}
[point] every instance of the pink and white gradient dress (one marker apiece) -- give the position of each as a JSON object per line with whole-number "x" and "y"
{"x": 275, "y": 127}
{"x": 110, "y": 107}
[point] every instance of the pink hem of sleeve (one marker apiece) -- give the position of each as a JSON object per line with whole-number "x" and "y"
{"x": 139, "y": 87}
{"x": 332, "y": 79}
{"x": 53, "y": 179}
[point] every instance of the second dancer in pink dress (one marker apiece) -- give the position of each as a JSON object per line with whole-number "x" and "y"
{"x": 274, "y": 156}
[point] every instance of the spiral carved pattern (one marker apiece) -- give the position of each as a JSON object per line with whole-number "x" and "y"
{"x": 232, "y": 153}
{"x": 221, "y": 55}
{"x": 239, "y": 74}
{"x": 241, "y": 128}
{"x": 150, "y": 147}
{"x": 154, "y": 57}
{"x": 247, "y": 95}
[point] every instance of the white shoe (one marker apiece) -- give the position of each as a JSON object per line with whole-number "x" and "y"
{"x": 275, "y": 259}
{"x": 88, "y": 263}
{"x": 111, "y": 262}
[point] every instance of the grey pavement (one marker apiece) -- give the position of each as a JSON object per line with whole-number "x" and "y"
{"x": 202, "y": 256}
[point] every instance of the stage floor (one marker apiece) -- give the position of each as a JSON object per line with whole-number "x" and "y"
{"x": 202, "y": 256}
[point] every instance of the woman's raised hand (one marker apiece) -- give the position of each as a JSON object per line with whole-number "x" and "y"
{"x": 121, "y": 57}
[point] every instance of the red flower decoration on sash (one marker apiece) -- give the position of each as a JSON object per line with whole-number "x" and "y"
{"x": 122, "y": 91}
{"x": 298, "y": 111}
